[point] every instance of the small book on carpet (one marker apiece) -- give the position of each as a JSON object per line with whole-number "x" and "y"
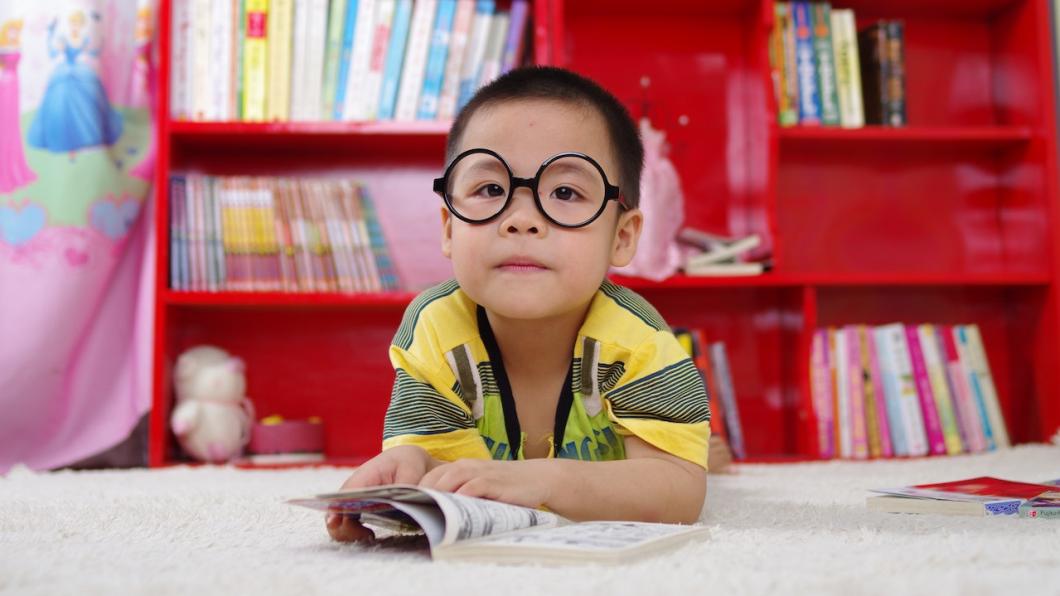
{"x": 468, "y": 528}
{"x": 980, "y": 496}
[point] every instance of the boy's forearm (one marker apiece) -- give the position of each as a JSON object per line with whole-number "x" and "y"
{"x": 642, "y": 489}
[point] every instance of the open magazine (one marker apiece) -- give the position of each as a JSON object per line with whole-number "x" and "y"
{"x": 467, "y": 528}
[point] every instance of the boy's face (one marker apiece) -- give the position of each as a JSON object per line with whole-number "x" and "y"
{"x": 520, "y": 265}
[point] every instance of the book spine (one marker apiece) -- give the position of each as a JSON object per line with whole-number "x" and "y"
{"x": 221, "y": 43}
{"x": 912, "y": 414}
{"x": 255, "y": 60}
{"x": 462, "y": 22}
{"x": 879, "y": 394}
{"x": 787, "y": 114}
{"x": 806, "y": 65}
{"x": 872, "y": 425}
{"x": 177, "y": 233}
{"x": 412, "y": 75}
{"x": 895, "y": 97}
{"x": 821, "y": 16}
{"x": 491, "y": 58}
{"x": 384, "y": 272}
{"x": 858, "y": 434}
{"x": 848, "y": 72}
{"x": 237, "y": 57}
{"x": 872, "y": 48}
{"x": 969, "y": 417}
{"x": 179, "y": 83}
{"x": 332, "y": 54}
{"x": 434, "y": 72}
{"x": 475, "y": 52}
{"x": 281, "y": 17}
{"x": 355, "y": 107}
{"x": 316, "y": 41}
{"x": 936, "y": 441}
{"x": 720, "y": 363}
{"x": 791, "y": 67}
{"x": 702, "y": 361}
{"x": 975, "y": 388}
{"x": 201, "y": 83}
{"x": 273, "y": 256}
{"x": 345, "y": 56}
{"x": 217, "y": 246}
{"x": 395, "y": 58}
{"x": 515, "y": 39}
{"x": 986, "y": 382}
{"x": 299, "y": 59}
{"x": 833, "y": 379}
{"x": 939, "y": 389}
{"x": 843, "y": 399}
{"x": 891, "y": 390}
{"x": 821, "y": 388}
{"x": 1038, "y": 512}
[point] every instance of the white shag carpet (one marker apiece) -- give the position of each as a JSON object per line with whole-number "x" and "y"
{"x": 798, "y": 528}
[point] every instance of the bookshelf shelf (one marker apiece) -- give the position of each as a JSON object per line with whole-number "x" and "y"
{"x": 950, "y": 220}
{"x": 985, "y": 136}
{"x": 388, "y": 300}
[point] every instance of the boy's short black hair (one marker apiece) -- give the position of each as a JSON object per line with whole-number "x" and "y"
{"x": 549, "y": 82}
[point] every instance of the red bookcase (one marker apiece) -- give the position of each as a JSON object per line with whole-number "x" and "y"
{"x": 949, "y": 220}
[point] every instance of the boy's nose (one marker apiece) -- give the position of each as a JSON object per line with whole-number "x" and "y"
{"x": 522, "y": 215}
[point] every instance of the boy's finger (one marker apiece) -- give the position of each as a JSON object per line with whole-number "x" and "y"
{"x": 349, "y": 530}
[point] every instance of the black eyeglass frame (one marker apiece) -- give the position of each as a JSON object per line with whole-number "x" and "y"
{"x": 611, "y": 192}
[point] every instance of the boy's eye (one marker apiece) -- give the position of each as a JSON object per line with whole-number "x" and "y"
{"x": 491, "y": 190}
{"x": 565, "y": 193}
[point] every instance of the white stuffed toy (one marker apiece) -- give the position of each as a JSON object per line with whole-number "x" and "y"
{"x": 213, "y": 417}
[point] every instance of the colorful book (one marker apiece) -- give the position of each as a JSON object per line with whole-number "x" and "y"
{"x": 806, "y": 64}
{"x": 281, "y": 32}
{"x": 299, "y": 59}
{"x": 855, "y": 376}
{"x": 491, "y": 58}
{"x": 936, "y": 372}
{"x": 936, "y": 440}
{"x": 960, "y": 336}
{"x": 345, "y": 57}
{"x": 434, "y": 72}
{"x": 179, "y": 82}
{"x": 981, "y": 367}
{"x": 844, "y": 419}
{"x": 872, "y": 49}
{"x": 847, "y": 69}
{"x": 821, "y": 390}
{"x": 355, "y": 100}
{"x": 879, "y": 394}
{"x": 475, "y": 52}
{"x": 868, "y": 392}
{"x": 894, "y": 108}
{"x": 720, "y": 364}
{"x": 973, "y": 496}
{"x": 824, "y": 56}
{"x": 395, "y": 58}
{"x": 332, "y": 57}
{"x": 971, "y": 427}
{"x": 414, "y": 69}
{"x": 787, "y": 101}
{"x": 515, "y": 39}
{"x": 462, "y": 22}
{"x": 895, "y": 345}
{"x": 219, "y": 59}
{"x": 255, "y": 60}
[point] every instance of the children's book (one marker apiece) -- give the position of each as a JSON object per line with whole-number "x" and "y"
{"x": 472, "y": 529}
{"x": 982, "y": 496}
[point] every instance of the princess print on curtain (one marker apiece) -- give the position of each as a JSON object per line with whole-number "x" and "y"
{"x": 75, "y": 113}
{"x": 14, "y": 171}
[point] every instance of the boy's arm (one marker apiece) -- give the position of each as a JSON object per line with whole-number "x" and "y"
{"x": 650, "y": 485}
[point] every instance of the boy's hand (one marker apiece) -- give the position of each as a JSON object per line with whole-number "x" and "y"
{"x": 405, "y": 464}
{"x": 516, "y": 482}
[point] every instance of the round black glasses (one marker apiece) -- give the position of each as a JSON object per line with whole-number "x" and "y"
{"x": 570, "y": 189}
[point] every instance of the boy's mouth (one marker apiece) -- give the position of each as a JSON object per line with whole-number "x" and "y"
{"x": 521, "y": 265}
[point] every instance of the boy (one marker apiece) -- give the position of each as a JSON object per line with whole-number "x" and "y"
{"x": 530, "y": 342}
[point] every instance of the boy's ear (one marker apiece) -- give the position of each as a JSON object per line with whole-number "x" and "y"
{"x": 447, "y": 233}
{"x": 627, "y": 234}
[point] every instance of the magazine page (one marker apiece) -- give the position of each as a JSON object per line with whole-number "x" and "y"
{"x": 469, "y": 517}
{"x": 572, "y": 543}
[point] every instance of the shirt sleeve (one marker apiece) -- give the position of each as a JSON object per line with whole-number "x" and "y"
{"x": 661, "y": 400}
{"x": 426, "y": 411}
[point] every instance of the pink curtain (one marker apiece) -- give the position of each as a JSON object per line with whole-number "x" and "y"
{"x": 76, "y": 240}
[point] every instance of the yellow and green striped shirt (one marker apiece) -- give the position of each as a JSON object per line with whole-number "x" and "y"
{"x": 628, "y": 376}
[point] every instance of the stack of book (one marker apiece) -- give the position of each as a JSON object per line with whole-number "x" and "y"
{"x": 711, "y": 255}
{"x": 275, "y": 234}
{"x": 315, "y": 60}
{"x": 713, "y": 364}
{"x": 826, "y": 72}
{"x": 903, "y": 390}
{"x": 980, "y": 496}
